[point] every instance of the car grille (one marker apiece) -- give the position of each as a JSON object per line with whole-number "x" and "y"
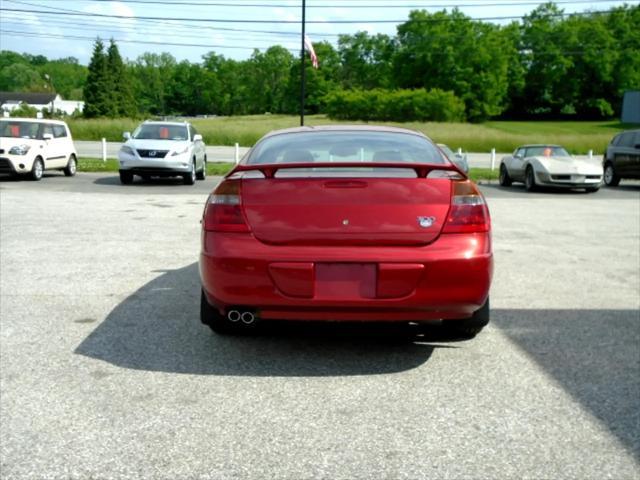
{"x": 5, "y": 165}
{"x": 594, "y": 177}
{"x": 153, "y": 153}
{"x": 561, "y": 177}
{"x": 1, "y": 151}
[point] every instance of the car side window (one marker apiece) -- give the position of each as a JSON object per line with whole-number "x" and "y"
{"x": 626, "y": 140}
{"x": 46, "y": 129}
{"x": 192, "y": 131}
{"x": 519, "y": 153}
{"x": 59, "y": 131}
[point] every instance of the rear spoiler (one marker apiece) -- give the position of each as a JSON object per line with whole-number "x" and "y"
{"x": 421, "y": 169}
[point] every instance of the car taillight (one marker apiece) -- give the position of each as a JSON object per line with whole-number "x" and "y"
{"x": 223, "y": 212}
{"x": 469, "y": 212}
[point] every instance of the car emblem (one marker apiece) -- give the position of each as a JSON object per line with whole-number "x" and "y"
{"x": 426, "y": 222}
{"x": 345, "y": 221}
{"x": 152, "y": 153}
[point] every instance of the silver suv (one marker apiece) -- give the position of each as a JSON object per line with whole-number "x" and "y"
{"x": 622, "y": 158}
{"x": 163, "y": 149}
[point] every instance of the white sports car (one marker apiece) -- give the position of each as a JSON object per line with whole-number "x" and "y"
{"x": 549, "y": 166}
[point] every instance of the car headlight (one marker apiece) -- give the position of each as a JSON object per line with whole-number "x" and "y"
{"x": 127, "y": 150}
{"x": 180, "y": 152}
{"x": 19, "y": 150}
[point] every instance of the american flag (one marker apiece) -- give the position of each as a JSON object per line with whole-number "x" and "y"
{"x": 312, "y": 53}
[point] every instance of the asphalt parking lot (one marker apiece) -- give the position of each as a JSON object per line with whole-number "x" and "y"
{"x": 106, "y": 372}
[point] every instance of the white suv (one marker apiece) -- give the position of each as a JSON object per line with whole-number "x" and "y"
{"x": 30, "y": 146}
{"x": 163, "y": 149}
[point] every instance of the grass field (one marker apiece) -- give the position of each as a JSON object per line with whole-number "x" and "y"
{"x": 577, "y": 137}
{"x": 111, "y": 165}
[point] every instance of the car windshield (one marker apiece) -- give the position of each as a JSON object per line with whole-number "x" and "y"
{"x": 345, "y": 146}
{"x": 159, "y": 131}
{"x": 546, "y": 151}
{"x": 13, "y": 129}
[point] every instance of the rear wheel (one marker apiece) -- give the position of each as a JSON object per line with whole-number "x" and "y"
{"x": 470, "y": 327}
{"x": 530, "y": 179}
{"x": 37, "y": 170}
{"x": 126, "y": 178}
{"x": 504, "y": 178}
{"x": 610, "y": 177}
{"x": 72, "y": 167}
{"x": 190, "y": 178}
{"x": 202, "y": 174}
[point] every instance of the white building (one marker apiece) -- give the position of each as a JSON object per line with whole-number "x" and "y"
{"x": 51, "y": 102}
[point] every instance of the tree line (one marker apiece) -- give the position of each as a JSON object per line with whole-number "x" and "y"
{"x": 549, "y": 65}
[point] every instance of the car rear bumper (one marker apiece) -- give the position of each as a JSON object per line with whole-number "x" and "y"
{"x": 448, "y": 279}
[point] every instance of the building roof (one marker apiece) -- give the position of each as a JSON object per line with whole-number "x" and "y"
{"x": 29, "y": 98}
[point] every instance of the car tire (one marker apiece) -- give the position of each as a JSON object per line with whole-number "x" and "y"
{"x": 530, "y": 180}
{"x": 202, "y": 174}
{"x": 72, "y": 167}
{"x": 611, "y": 179}
{"x": 190, "y": 178}
{"x": 212, "y": 318}
{"x": 470, "y": 327}
{"x": 126, "y": 178}
{"x": 504, "y": 178}
{"x": 37, "y": 170}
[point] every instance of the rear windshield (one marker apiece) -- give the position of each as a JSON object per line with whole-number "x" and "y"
{"x": 155, "y": 131}
{"x": 345, "y": 146}
{"x": 13, "y": 129}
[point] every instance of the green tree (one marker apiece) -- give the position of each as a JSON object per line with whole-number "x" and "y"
{"x": 452, "y": 52}
{"x": 151, "y": 75}
{"x": 367, "y": 61}
{"x": 96, "y": 89}
{"x": 20, "y": 77}
{"x": 121, "y": 102}
{"x": 66, "y": 76}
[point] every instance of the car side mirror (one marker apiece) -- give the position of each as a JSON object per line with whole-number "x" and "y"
{"x": 47, "y": 137}
{"x": 197, "y": 138}
{"x": 126, "y": 135}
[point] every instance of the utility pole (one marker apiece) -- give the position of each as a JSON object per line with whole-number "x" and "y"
{"x": 302, "y": 67}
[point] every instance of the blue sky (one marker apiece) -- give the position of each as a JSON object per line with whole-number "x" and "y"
{"x": 58, "y": 36}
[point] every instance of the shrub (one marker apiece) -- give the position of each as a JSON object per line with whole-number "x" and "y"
{"x": 394, "y": 105}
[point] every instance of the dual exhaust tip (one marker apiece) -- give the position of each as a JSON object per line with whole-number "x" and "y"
{"x": 235, "y": 316}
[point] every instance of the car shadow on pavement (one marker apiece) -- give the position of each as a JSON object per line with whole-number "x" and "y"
{"x": 158, "y": 329}
{"x": 139, "y": 182}
{"x": 594, "y": 355}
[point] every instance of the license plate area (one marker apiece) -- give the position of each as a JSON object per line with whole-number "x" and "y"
{"x": 345, "y": 281}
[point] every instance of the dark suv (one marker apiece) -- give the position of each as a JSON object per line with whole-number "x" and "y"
{"x": 622, "y": 158}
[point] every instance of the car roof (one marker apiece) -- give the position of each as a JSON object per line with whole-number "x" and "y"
{"x": 32, "y": 120}
{"x": 165, "y": 122}
{"x": 540, "y": 145}
{"x": 345, "y": 128}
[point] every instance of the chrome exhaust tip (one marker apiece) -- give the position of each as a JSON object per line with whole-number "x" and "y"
{"x": 248, "y": 318}
{"x": 234, "y": 316}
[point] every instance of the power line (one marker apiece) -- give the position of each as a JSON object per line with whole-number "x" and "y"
{"x": 143, "y": 42}
{"x": 289, "y": 5}
{"x": 159, "y": 29}
{"x": 235, "y": 20}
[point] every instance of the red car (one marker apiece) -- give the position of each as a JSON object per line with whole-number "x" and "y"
{"x": 345, "y": 224}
